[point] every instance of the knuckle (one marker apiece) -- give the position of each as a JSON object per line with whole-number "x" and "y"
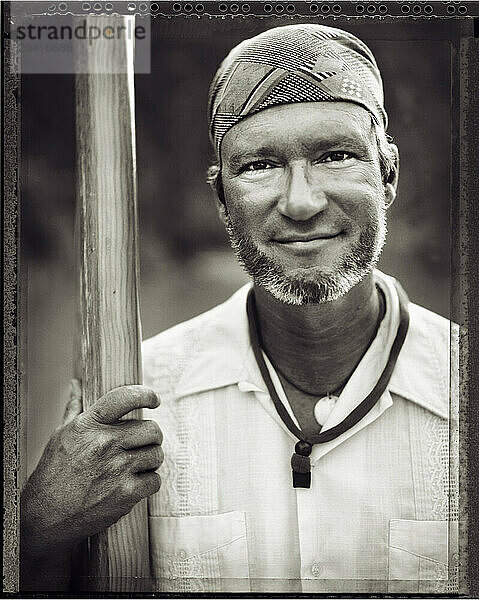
{"x": 118, "y": 467}
{"x": 103, "y": 439}
{"x": 130, "y": 488}
{"x": 94, "y": 415}
{"x": 80, "y": 422}
{"x": 104, "y": 443}
{"x": 123, "y": 460}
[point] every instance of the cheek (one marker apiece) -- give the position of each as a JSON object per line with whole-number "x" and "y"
{"x": 261, "y": 190}
{"x": 246, "y": 221}
{"x": 357, "y": 194}
{"x": 248, "y": 202}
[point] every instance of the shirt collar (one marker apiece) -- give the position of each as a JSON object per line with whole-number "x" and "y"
{"x": 421, "y": 374}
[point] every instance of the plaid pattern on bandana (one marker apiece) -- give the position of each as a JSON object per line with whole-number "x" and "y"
{"x": 294, "y": 63}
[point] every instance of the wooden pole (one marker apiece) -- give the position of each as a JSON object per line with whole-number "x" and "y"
{"x": 109, "y": 328}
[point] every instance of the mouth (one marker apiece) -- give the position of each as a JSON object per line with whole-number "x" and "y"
{"x": 306, "y": 240}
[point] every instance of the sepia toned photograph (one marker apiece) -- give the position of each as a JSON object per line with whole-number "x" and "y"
{"x": 239, "y": 260}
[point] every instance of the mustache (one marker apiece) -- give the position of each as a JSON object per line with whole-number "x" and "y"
{"x": 317, "y": 226}
{"x": 312, "y": 228}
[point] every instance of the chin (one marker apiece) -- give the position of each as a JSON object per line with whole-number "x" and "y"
{"x": 310, "y": 285}
{"x": 304, "y": 285}
{"x": 311, "y": 288}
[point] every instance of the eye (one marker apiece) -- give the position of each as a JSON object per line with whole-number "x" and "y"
{"x": 337, "y": 156}
{"x": 257, "y": 165}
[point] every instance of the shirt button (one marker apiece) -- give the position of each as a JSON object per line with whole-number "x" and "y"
{"x": 182, "y": 554}
{"x": 316, "y": 569}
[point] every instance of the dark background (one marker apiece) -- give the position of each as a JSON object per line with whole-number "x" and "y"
{"x": 186, "y": 264}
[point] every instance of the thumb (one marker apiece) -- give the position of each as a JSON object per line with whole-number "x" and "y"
{"x": 75, "y": 405}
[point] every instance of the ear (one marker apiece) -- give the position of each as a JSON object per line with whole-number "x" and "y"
{"x": 221, "y": 208}
{"x": 217, "y": 187}
{"x": 390, "y": 187}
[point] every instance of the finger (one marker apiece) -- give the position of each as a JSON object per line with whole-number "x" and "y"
{"x": 146, "y": 459}
{"x": 141, "y": 433}
{"x": 149, "y": 483}
{"x": 75, "y": 405}
{"x": 120, "y": 401}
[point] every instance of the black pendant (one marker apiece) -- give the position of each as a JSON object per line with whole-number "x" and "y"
{"x": 301, "y": 480}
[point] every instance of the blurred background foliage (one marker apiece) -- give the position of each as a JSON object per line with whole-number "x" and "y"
{"x": 186, "y": 263}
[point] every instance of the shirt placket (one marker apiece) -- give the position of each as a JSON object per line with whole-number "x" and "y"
{"x": 309, "y": 533}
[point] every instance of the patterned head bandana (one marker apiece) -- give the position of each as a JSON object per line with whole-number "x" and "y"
{"x": 294, "y": 63}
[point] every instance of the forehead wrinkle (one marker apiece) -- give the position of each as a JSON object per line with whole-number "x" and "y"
{"x": 337, "y": 133}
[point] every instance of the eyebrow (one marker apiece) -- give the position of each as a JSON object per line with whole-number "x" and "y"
{"x": 240, "y": 158}
{"x": 359, "y": 144}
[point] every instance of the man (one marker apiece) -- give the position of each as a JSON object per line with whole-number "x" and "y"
{"x": 305, "y": 420}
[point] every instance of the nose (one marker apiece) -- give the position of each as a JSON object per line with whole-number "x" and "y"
{"x": 301, "y": 200}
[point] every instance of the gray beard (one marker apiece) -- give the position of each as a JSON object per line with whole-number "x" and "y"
{"x": 302, "y": 287}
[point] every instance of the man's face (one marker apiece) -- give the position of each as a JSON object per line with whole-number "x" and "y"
{"x": 305, "y": 201}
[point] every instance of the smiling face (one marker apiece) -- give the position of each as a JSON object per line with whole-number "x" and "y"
{"x": 304, "y": 198}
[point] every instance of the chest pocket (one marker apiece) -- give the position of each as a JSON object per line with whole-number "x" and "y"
{"x": 200, "y": 553}
{"x": 418, "y": 550}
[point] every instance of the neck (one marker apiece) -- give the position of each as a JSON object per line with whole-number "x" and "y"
{"x": 318, "y": 346}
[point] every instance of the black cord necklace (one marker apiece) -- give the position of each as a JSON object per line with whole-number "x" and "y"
{"x": 300, "y": 461}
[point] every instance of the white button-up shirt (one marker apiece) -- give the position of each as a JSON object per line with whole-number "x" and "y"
{"x": 380, "y": 514}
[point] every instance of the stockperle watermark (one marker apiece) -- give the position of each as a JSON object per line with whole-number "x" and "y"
{"x": 54, "y": 43}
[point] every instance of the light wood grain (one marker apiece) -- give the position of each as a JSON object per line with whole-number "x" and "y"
{"x": 109, "y": 328}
